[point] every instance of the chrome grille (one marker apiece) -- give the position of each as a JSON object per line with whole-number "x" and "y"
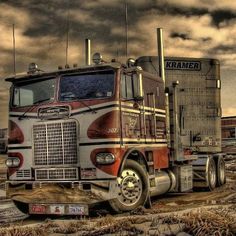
{"x": 23, "y": 173}
{"x": 55, "y": 143}
{"x": 57, "y": 174}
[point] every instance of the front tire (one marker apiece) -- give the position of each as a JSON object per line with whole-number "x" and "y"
{"x": 132, "y": 188}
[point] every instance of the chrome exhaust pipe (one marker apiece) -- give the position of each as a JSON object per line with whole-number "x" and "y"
{"x": 87, "y": 52}
{"x": 161, "y": 62}
{"x": 160, "y": 54}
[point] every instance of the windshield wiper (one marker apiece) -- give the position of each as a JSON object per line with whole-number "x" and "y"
{"x": 81, "y": 101}
{"x": 35, "y": 104}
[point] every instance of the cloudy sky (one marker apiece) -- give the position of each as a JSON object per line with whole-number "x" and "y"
{"x": 192, "y": 28}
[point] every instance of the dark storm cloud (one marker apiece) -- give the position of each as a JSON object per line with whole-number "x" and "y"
{"x": 224, "y": 49}
{"x": 49, "y": 17}
{"x": 186, "y": 11}
{"x": 195, "y": 28}
{"x": 103, "y": 21}
{"x": 206, "y": 39}
{"x": 220, "y": 16}
{"x": 180, "y": 35}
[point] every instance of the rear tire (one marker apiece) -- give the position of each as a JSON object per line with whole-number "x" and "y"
{"x": 132, "y": 188}
{"x": 221, "y": 175}
{"x": 211, "y": 174}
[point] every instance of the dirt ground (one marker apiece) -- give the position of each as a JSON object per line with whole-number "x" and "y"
{"x": 197, "y": 213}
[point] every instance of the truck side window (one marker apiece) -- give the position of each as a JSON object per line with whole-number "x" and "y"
{"x": 130, "y": 86}
{"x": 126, "y": 87}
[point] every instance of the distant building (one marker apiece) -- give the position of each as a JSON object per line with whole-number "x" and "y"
{"x": 3, "y": 140}
{"x": 228, "y": 127}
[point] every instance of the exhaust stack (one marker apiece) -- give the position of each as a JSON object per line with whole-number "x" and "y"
{"x": 161, "y": 63}
{"x": 87, "y": 52}
{"x": 160, "y": 54}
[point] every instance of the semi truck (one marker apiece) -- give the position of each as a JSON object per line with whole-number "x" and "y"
{"x": 113, "y": 132}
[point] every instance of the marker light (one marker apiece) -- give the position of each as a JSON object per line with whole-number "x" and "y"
{"x": 33, "y": 67}
{"x": 105, "y": 158}
{"x": 130, "y": 62}
{"x": 97, "y": 58}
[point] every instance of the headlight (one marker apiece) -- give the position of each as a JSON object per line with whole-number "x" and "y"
{"x": 9, "y": 162}
{"x": 16, "y": 162}
{"x": 13, "y": 162}
{"x": 105, "y": 158}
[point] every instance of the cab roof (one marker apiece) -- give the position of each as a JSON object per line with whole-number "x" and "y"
{"x": 43, "y": 75}
{"x": 27, "y": 77}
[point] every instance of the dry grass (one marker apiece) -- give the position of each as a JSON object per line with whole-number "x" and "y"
{"x": 105, "y": 225}
{"x": 206, "y": 222}
{"x": 23, "y": 231}
{"x": 119, "y": 227}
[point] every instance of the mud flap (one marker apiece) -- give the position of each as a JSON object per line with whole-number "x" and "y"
{"x": 148, "y": 203}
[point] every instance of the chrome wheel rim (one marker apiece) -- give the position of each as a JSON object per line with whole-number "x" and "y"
{"x": 129, "y": 187}
{"x": 212, "y": 174}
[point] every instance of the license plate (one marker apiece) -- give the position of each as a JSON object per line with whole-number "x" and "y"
{"x": 38, "y": 209}
{"x": 57, "y": 209}
{"x": 76, "y": 210}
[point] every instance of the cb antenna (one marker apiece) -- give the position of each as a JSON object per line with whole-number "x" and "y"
{"x": 67, "y": 35}
{"x": 126, "y": 29}
{"x": 14, "y": 49}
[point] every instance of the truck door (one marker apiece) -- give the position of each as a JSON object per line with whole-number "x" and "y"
{"x": 153, "y": 105}
{"x": 131, "y": 102}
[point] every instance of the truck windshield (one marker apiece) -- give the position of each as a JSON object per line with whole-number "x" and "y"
{"x": 27, "y": 94}
{"x": 94, "y": 85}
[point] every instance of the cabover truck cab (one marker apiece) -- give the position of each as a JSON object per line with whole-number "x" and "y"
{"x": 83, "y": 135}
{"x": 112, "y": 132}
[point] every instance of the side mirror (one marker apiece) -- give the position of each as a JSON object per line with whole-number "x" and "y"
{"x": 138, "y": 87}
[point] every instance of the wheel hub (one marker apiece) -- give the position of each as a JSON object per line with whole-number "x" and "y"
{"x": 129, "y": 187}
{"x": 212, "y": 172}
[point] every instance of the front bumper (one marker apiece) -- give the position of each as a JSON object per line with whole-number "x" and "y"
{"x": 60, "y": 198}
